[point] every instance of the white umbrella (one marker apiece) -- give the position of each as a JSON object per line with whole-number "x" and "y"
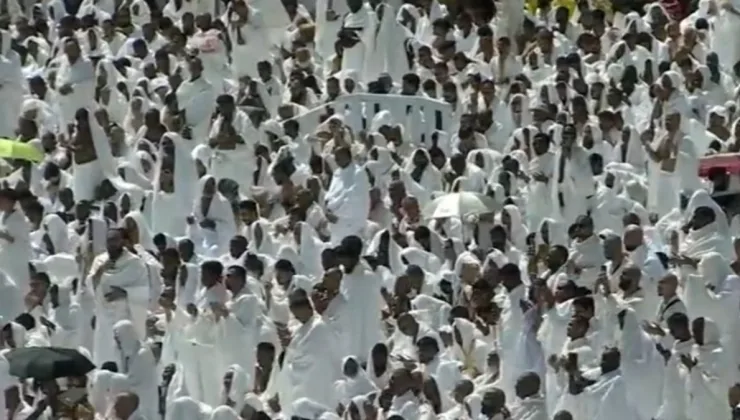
{"x": 459, "y": 204}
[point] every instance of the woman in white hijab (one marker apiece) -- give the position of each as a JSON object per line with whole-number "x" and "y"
{"x": 137, "y": 362}
{"x": 224, "y": 413}
{"x": 11, "y": 80}
{"x": 389, "y": 55}
{"x": 54, "y": 226}
{"x": 356, "y": 381}
{"x": 421, "y": 178}
{"x": 174, "y": 187}
{"x": 186, "y": 408}
{"x": 11, "y": 298}
{"x": 109, "y": 96}
{"x": 381, "y": 165}
{"x": 511, "y": 218}
{"x": 237, "y": 382}
{"x": 14, "y": 237}
{"x": 379, "y": 368}
{"x": 99, "y": 391}
{"x": 642, "y": 365}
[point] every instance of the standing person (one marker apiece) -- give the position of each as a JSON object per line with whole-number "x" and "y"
{"x": 309, "y": 367}
{"x": 137, "y": 363}
{"x": 119, "y": 281}
{"x": 75, "y": 80}
{"x": 348, "y": 198}
{"x": 15, "y": 243}
{"x": 361, "y": 288}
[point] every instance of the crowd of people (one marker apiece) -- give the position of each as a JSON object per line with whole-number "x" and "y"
{"x": 245, "y": 209}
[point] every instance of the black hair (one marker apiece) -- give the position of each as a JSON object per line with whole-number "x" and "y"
{"x": 485, "y": 31}
{"x": 284, "y": 265}
{"x": 254, "y": 263}
{"x": 586, "y": 302}
{"x": 213, "y": 267}
{"x": 109, "y": 366}
{"x": 510, "y": 269}
{"x": 237, "y": 270}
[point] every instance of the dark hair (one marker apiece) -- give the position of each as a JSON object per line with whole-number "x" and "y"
{"x": 225, "y": 100}
{"x": 485, "y": 31}
{"x": 351, "y": 246}
{"x": 412, "y": 79}
{"x": 237, "y": 270}
{"x": 510, "y": 269}
{"x": 109, "y": 366}
{"x": 427, "y": 342}
{"x": 138, "y": 43}
{"x": 212, "y": 267}
{"x": 254, "y": 263}
{"x": 51, "y": 170}
{"x": 249, "y": 205}
{"x": 585, "y": 302}
{"x": 284, "y": 265}
{"x": 678, "y": 318}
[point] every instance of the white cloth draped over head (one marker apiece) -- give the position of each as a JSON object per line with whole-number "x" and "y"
{"x": 348, "y": 199}
{"x": 186, "y": 408}
{"x": 352, "y": 386}
{"x": 215, "y": 241}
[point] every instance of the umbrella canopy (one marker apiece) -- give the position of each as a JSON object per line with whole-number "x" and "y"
{"x": 459, "y": 204}
{"x": 13, "y": 149}
{"x": 45, "y": 363}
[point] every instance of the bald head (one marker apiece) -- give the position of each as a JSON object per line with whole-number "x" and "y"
{"x": 125, "y": 405}
{"x": 633, "y": 237}
{"x": 667, "y": 286}
{"x": 629, "y": 281}
{"x": 612, "y": 244}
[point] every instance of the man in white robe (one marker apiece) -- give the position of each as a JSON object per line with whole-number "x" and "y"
{"x": 361, "y": 287}
{"x": 119, "y": 281}
{"x": 11, "y": 80}
{"x": 75, "y": 81}
{"x": 348, "y": 198}
{"x": 708, "y": 376}
{"x": 310, "y": 366}
{"x": 196, "y": 97}
{"x": 573, "y": 180}
{"x": 675, "y": 380}
{"x": 357, "y": 36}
{"x": 238, "y": 322}
{"x": 530, "y": 404}
{"x": 203, "y": 371}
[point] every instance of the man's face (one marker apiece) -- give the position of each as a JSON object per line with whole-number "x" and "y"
{"x": 342, "y": 159}
{"x": 114, "y": 243}
{"x": 72, "y": 50}
{"x": 226, "y": 109}
{"x": 38, "y": 288}
{"x": 666, "y": 287}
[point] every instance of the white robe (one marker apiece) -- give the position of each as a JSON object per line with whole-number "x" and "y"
{"x": 136, "y": 360}
{"x": 81, "y": 76}
{"x": 361, "y": 288}
{"x": 349, "y": 200}
{"x": 310, "y": 366}
{"x": 11, "y": 80}
{"x": 239, "y": 333}
{"x": 129, "y": 273}
{"x": 15, "y": 256}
